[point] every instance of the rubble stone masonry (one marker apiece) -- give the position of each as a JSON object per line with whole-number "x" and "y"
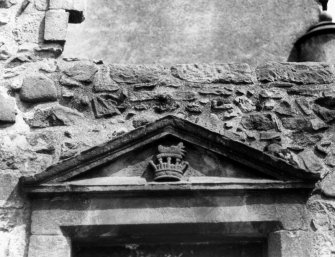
{"x": 52, "y": 108}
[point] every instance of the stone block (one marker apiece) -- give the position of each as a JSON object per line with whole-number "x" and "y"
{"x": 328, "y": 185}
{"x": 9, "y": 192}
{"x": 56, "y": 23}
{"x": 76, "y": 9}
{"x": 38, "y": 88}
{"x": 81, "y": 71}
{"x": 214, "y": 73}
{"x": 54, "y": 116}
{"x": 298, "y": 73}
{"x": 49, "y": 246}
{"x": 69, "y": 5}
{"x": 289, "y": 244}
{"x": 262, "y": 122}
{"x": 7, "y": 110}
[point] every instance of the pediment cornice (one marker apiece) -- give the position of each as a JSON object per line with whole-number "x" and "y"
{"x": 271, "y": 166}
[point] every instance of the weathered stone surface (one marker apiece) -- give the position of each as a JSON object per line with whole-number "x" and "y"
{"x": 245, "y": 104}
{"x": 271, "y": 93}
{"x": 82, "y": 71}
{"x": 269, "y": 104}
{"x": 165, "y": 103}
{"x": 330, "y": 159}
{"x": 304, "y": 106}
{"x": 269, "y": 135}
{"x": 7, "y": 3}
{"x": 49, "y": 246}
{"x": 38, "y": 88}
{"x": 41, "y": 5}
{"x": 102, "y": 81}
{"x": 43, "y": 142}
{"x": 137, "y": 74}
{"x": 221, "y": 104}
{"x": 305, "y": 139}
{"x": 283, "y": 128}
{"x": 258, "y": 122}
{"x": 318, "y": 124}
{"x": 105, "y": 106}
{"x": 325, "y": 114}
{"x": 328, "y": 185}
{"x": 56, "y": 22}
{"x": 18, "y": 241}
{"x": 285, "y": 109}
{"x": 299, "y": 73}
{"x": 299, "y": 123}
{"x": 69, "y": 82}
{"x": 54, "y": 116}
{"x": 214, "y": 73}
{"x": 193, "y": 108}
{"x": 290, "y": 243}
{"x": 7, "y": 110}
{"x": 142, "y": 120}
{"x": 310, "y": 162}
{"x": 69, "y": 5}
{"x": 276, "y": 149}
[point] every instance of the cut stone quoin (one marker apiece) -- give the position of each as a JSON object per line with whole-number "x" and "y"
{"x": 75, "y": 8}
{"x": 56, "y": 23}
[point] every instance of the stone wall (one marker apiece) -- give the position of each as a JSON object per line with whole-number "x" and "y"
{"x": 51, "y": 109}
{"x": 54, "y": 109}
{"x": 190, "y": 31}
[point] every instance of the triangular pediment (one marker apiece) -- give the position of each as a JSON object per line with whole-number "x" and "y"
{"x": 210, "y": 157}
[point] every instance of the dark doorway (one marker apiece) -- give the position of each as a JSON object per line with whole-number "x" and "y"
{"x": 173, "y": 250}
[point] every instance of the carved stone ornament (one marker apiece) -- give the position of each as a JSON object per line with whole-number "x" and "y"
{"x": 170, "y": 166}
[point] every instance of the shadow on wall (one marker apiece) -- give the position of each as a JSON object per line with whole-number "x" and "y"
{"x": 190, "y": 31}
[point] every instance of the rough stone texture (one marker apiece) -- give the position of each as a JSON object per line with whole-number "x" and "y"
{"x": 38, "y": 88}
{"x": 81, "y": 71}
{"x": 49, "y": 246}
{"x": 190, "y": 31}
{"x": 221, "y": 73}
{"x": 299, "y": 73}
{"x": 54, "y": 116}
{"x": 69, "y": 5}
{"x": 7, "y": 110}
{"x": 56, "y": 22}
{"x": 290, "y": 243}
{"x": 285, "y": 110}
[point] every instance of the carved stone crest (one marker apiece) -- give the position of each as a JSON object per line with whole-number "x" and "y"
{"x": 170, "y": 165}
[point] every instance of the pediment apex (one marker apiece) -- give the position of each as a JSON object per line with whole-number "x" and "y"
{"x": 179, "y": 128}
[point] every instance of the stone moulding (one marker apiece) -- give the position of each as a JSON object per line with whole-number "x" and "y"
{"x": 59, "y": 178}
{"x": 72, "y": 202}
{"x": 170, "y": 166}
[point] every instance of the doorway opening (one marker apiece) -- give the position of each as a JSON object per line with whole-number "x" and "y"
{"x": 189, "y": 249}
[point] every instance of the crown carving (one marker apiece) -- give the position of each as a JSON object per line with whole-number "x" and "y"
{"x": 170, "y": 165}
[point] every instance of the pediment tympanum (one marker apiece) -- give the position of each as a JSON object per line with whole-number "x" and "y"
{"x": 169, "y": 151}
